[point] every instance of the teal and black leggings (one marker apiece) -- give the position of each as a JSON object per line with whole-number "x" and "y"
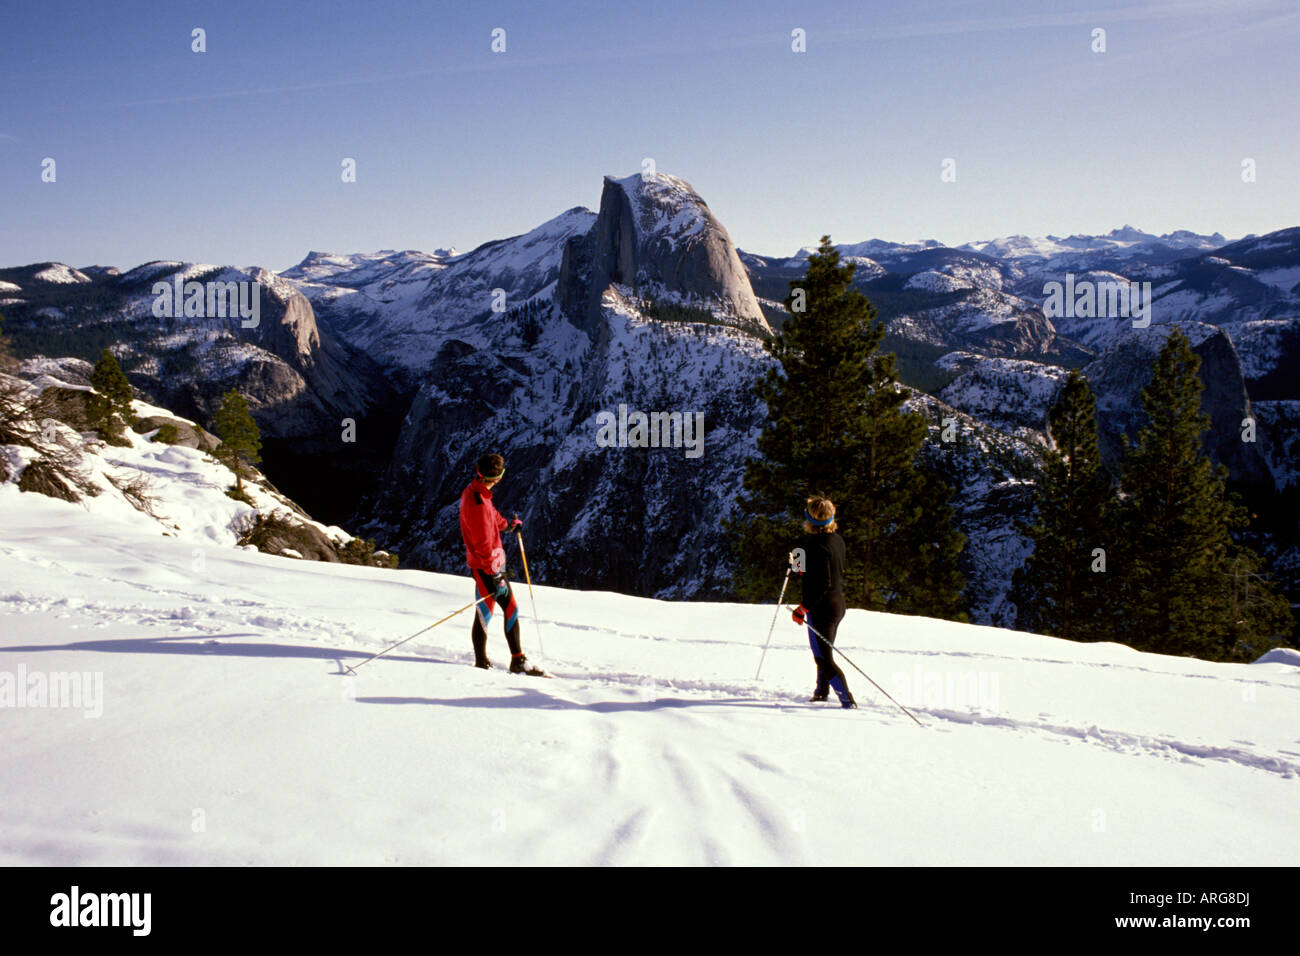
{"x": 497, "y": 591}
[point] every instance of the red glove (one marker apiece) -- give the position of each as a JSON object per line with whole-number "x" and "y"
{"x": 515, "y": 523}
{"x": 800, "y": 614}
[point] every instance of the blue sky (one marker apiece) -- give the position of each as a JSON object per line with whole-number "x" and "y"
{"x": 233, "y": 155}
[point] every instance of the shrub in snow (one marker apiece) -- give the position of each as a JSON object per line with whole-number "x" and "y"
{"x": 81, "y": 410}
{"x": 279, "y": 532}
{"x": 15, "y": 422}
{"x": 362, "y": 551}
{"x": 137, "y": 489}
{"x": 239, "y": 494}
{"x": 45, "y": 478}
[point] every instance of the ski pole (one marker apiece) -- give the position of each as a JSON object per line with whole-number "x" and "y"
{"x": 531, "y": 597}
{"x": 775, "y": 615}
{"x": 352, "y": 670}
{"x": 858, "y": 669}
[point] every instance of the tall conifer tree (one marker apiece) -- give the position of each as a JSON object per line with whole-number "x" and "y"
{"x": 836, "y": 427}
{"x": 1068, "y": 574}
{"x": 241, "y": 440}
{"x": 1189, "y": 588}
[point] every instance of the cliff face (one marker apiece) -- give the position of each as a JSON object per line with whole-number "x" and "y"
{"x": 656, "y": 236}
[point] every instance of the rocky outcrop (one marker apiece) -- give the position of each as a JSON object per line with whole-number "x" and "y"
{"x": 287, "y": 326}
{"x": 183, "y": 433}
{"x": 656, "y": 236}
{"x": 66, "y": 404}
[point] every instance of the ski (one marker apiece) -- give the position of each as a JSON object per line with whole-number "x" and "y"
{"x": 530, "y": 672}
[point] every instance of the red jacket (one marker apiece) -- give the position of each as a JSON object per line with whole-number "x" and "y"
{"x": 480, "y": 527}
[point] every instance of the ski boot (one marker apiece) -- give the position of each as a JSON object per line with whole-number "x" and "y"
{"x": 484, "y": 663}
{"x": 520, "y": 665}
{"x": 819, "y": 696}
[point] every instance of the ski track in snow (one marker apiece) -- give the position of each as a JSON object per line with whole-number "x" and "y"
{"x": 321, "y": 630}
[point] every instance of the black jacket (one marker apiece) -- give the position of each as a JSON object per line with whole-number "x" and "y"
{"x": 823, "y": 577}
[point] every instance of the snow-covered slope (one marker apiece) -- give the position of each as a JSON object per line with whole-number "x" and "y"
{"x": 399, "y": 306}
{"x": 175, "y": 488}
{"x": 216, "y": 728}
{"x": 1012, "y": 395}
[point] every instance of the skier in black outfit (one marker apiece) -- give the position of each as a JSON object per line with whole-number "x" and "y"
{"x": 823, "y": 596}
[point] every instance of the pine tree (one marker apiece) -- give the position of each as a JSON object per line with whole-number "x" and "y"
{"x": 111, "y": 403}
{"x": 109, "y": 380}
{"x": 241, "y": 440}
{"x": 6, "y": 356}
{"x": 836, "y": 427}
{"x": 1189, "y": 588}
{"x": 1070, "y": 582}
{"x": 926, "y": 580}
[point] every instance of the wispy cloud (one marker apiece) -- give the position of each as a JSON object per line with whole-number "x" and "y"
{"x": 1176, "y": 10}
{"x": 1185, "y": 10}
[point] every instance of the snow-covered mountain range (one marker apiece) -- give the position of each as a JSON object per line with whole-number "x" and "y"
{"x": 1126, "y": 242}
{"x": 525, "y": 344}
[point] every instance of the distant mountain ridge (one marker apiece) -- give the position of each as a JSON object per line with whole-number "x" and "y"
{"x": 1126, "y": 240}
{"x": 521, "y": 343}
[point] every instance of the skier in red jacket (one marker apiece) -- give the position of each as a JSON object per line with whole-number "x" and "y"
{"x": 480, "y": 527}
